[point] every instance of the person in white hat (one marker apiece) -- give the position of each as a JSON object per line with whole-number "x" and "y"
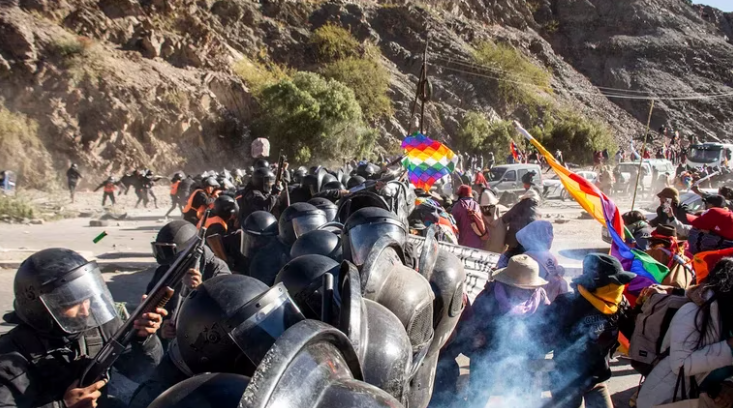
{"x": 504, "y": 327}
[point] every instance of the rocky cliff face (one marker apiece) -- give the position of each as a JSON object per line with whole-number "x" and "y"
{"x": 115, "y": 84}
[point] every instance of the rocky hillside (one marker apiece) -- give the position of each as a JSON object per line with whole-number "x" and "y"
{"x": 113, "y": 84}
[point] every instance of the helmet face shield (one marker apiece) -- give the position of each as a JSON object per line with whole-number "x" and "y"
{"x": 257, "y": 326}
{"x": 81, "y": 301}
{"x": 362, "y": 238}
{"x": 307, "y": 223}
{"x": 164, "y": 253}
{"x": 251, "y": 243}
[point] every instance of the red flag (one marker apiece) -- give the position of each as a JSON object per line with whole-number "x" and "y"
{"x": 704, "y": 262}
{"x": 515, "y": 150}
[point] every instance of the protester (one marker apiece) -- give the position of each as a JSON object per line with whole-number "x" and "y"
{"x": 700, "y": 346}
{"x": 506, "y": 318}
{"x": 582, "y": 329}
{"x": 669, "y": 200}
{"x": 467, "y": 214}
{"x": 524, "y": 212}
{"x": 636, "y": 223}
{"x": 713, "y": 229}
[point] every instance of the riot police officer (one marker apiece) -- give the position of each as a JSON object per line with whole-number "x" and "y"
{"x": 226, "y": 325}
{"x": 170, "y": 239}
{"x": 260, "y": 230}
{"x": 260, "y": 194}
{"x": 224, "y": 217}
{"x": 200, "y": 200}
{"x": 64, "y": 314}
{"x": 295, "y": 221}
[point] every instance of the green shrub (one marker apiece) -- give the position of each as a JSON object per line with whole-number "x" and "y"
{"x": 332, "y": 42}
{"x": 258, "y": 76}
{"x": 477, "y": 135}
{"x": 368, "y": 80}
{"x": 312, "y": 119}
{"x": 576, "y": 136}
{"x": 15, "y": 208}
{"x": 519, "y": 79}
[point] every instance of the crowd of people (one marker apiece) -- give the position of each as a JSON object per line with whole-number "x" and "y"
{"x": 323, "y": 288}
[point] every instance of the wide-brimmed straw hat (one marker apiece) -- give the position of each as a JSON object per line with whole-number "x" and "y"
{"x": 522, "y": 272}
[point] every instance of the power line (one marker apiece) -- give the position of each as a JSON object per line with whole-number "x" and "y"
{"x": 617, "y": 92}
{"x": 600, "y": 93}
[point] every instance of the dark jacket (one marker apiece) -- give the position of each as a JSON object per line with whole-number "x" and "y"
{"x": 165, "y": 376}
{"x": 680, "y": 213}
{"x": 35, "y": 371}
{"x": 641, "y": 231}
{"x": 518, "y": 217}
{"x": 583, "y": 339}
{"x": 73, "y": 175}
{"x": 213, "y": 266}
{"x": 255, "y": 200}
{"x": 185, "y": 188}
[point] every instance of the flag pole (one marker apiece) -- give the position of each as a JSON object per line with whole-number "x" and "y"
{"x": 641, "y": 156}
{"x": 423, "y": 91}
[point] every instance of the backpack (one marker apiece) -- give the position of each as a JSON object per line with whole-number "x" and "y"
{"x": 477, "y": 220}
{"x": 651, "y": 327}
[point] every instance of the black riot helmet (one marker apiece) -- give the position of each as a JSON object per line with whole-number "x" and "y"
{"x": 365, "y": 227}
{"x": 230, "y": 321}
{"x": 263, "y": 179}
{"x": 173, "y": 237}
{"x": 260, "y": 228}
{"x": 369, "y": 171}
{"x": 332, "y": 368}
{"x": 298, "y": 175}
{"x": 303, "y": 278}
{"x": 210, "y": 182}
{"x": 58, "y": 292}
{"x": 320, "y": 242}
{"x": 226, "y": 207}
{"x": 332, "y": 185}
{"x": 327, "y": 178}
{"x": 355, "y": 181}
{"x": 262, "y": 164}
{"x": 298, "y": 219}
{"x": 210, "y": 390}
{"x": 311, "y": 183}
{"x": 325, "y": 205}
{"x": 178, "y": 176}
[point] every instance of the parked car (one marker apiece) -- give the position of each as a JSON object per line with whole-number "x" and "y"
{"x": 507, "y": 178}
{"x": 691, "y": 200}
{"x": 553, "y": 188}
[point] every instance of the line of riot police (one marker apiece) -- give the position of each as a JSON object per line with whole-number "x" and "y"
{"x": 319, "y": 303}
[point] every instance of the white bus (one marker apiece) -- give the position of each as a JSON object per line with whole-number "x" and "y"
{"x": 711, "y": 154}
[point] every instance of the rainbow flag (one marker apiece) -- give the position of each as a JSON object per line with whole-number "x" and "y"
{"x": 604, "y": 210}
{"x": 427, "y": 160}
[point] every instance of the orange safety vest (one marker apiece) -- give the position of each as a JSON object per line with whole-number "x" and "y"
{"x": 174, "y": 188}
{"x": 214, "y": 220}
{"x": 189, "y": 204}
{"x": 109, "y": 187}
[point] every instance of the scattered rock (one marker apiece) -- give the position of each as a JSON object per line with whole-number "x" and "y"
{"x": 561, "y": 221}
{"x": 585, "y": 216}
{"x": 98, "y": 223}
{"x": 37, "y": 221}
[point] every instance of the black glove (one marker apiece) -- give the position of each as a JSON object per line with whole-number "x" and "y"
{"x": 276, "y": 190}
